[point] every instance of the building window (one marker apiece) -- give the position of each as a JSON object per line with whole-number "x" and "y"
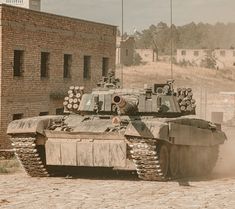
{"x": 59, "y": 111}
{"x": 105, "y": 66}
{"x": 222, "y": 53}
{"x": 196, "y": 53}
{"x": 17, "y": 116}
{"x": 14, "y": 1}
{"x": 45, "y": 56}
{"x": 43, "y": 113}
{"x": 18, "y": 62}
{"x": 127, "y": 52}
{"x": 87, "y": 67}
{"x": 67, "y": 65}
{"x": 183, "y": 52}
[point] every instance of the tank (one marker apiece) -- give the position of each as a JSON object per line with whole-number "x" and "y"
{"x": 153, "y": 131}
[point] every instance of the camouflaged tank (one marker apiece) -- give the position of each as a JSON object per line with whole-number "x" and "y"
{"x": 150, "y": 130}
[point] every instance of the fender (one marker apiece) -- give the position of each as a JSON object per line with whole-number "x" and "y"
{"x": 179, "y": 132}
{"x": 192, "y": 135}
{"x": 31, "y": 125}
{"x": 148, "y": 129}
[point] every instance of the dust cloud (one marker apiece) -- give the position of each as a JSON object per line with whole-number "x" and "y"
{"x": 226, "y": 162}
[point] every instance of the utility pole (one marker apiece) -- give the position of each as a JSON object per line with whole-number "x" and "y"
{"x": 120, "y": 45}
{"x": 171, "y": 6}
{"x": 122, "y": 19}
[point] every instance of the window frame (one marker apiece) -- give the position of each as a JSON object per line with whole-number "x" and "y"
{"x": 19, "y": 69}
{"x": 44, "y": 113}
{"x": 183, "y": 52}
{"x": 17, "y": 116}
{"x": 59, "y": 111}
{"x": 105, "y": 66}
{"x": 127, "y": 52}
{"x": 44, "y": 66}
{"x": 67, "y": 66}
{"x": 87, "y": 67}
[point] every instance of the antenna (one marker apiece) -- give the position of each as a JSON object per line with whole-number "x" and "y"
{"x": 171, "y": 39}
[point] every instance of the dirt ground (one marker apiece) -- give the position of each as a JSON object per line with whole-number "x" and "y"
{"x": 115, "y": 191}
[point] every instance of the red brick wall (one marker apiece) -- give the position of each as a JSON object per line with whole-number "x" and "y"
{"x": 35, "y": 32}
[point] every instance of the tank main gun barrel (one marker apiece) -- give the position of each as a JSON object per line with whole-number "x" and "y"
{"x": 126, "y": 105}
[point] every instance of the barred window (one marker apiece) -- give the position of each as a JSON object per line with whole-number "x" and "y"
{"x": 14, "y": 1}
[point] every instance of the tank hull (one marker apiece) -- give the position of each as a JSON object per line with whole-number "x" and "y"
{"x": 156, "y": 148}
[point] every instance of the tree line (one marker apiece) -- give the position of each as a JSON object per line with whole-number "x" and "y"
{"x": 189, "y": 36}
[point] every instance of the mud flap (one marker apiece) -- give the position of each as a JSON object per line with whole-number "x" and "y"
{"x": 97, "y": 153}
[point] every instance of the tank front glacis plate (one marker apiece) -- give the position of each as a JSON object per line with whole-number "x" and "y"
{"x": 91, "y": 149}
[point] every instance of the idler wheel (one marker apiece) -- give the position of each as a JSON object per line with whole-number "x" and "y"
{"x": 174, "y": 161}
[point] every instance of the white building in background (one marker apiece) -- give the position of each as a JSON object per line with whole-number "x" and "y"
{"x": 223, "y": 57}
{"x": 29, "y": 4}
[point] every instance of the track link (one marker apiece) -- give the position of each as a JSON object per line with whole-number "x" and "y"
{"x": 145, "y": 156}
{"x": 29, "y": 156}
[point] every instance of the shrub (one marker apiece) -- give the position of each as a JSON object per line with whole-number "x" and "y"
{"x": 137, "y": 59}
{"x": 9, "y": 166}
{"x": 208, "y": 62}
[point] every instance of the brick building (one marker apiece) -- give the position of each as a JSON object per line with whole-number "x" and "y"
{"x": 42, "y": 55}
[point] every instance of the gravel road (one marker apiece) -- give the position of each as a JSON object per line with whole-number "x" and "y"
{"x": 20, "y": 191}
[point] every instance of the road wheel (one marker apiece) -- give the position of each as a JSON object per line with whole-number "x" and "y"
{"x": 174, "y": 161}
{"x": 164, "y": 160}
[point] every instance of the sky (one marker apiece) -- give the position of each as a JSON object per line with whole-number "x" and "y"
{"x": 140, "y": 14}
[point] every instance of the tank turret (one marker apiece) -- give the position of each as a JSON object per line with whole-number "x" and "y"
{"x": 126, "y": 105}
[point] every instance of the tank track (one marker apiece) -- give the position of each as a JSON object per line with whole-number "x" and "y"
{"x": 145, "y": 156}
{"x": 29, "y": 156}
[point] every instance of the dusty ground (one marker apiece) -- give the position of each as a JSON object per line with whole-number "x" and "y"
{"x": 216, "y": 191}
{"x": 19, "y": 191}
